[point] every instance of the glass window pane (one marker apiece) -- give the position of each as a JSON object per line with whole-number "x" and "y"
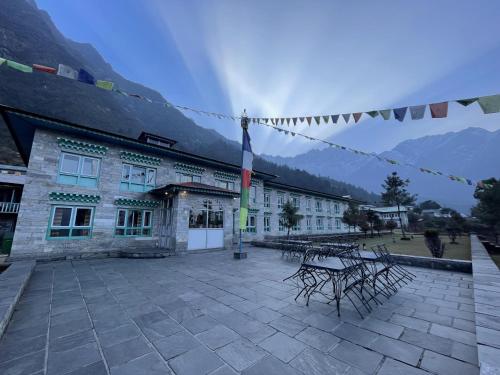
{"x": 138, "y": 175}
{"x": 70, "y": 163}
{"x": 147, "y": 218}
{"x": 82, "y": 217}
{"x": 196, "y": 179}
{"x": 120, "y": 232}
{"x": 80, "y": 232}
{"x": 120, "y": 219}
{"x": 150, "y": 180}
{"x": 215, "y": 219}
{"x": 59, "y": 233}
{"x": 125, "y": 172}
{"x": 146, "y": 232}
{"x": 62, "y": 216}
{"x": 89, "y": 167}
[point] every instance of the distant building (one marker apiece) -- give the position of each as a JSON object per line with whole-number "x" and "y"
{"x": 389, "y": 213}
{"x": 435, "y": 212}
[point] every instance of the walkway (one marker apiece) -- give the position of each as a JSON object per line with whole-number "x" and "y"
{"x": 210, "y": 314}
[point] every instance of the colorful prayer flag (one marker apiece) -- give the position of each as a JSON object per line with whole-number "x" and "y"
{"x": 67, "y": 71}
{"x": 21, "y": 67}
{"x": 2, "y": 60}
{"x": 357, "y": 116}
{"x": 346, "y": 117}
{"x": 466, "y": 102}
{"x": 301, "y": 119}
{"x": 246, "y": 176}
{"x": 490, "y": 104}
{"x": 86, "y": 77}
{"x": 439, "y": 110}
{"x": 400, "y": 113}
{"x": 105, "y": 85}
{"x": 386, "y": 113}
{"x": 45, "y": 69}
{"x": 309, "y": 119}
{"x": 417, "y": 112}
{"x": 372, "y": 114}
{"x": 325, "y": 119}
{"x": 317, "y": 119}
{"x": 294, "y": 121}
{"x": 335, "y": 118}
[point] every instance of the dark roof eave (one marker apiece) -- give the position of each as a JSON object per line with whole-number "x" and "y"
{"x": 312, "y": 192}
{"x": 174, "y": 188}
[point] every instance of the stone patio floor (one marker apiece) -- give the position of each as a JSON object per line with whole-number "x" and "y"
{"x": 210, "y": 314}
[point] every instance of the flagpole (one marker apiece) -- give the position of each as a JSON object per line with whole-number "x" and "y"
{"x": 244, "y": 126}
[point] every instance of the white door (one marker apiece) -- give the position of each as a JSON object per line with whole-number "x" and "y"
{"x": 206, "y": 226}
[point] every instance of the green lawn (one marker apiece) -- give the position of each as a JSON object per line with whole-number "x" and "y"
{"x": 416, "y": 245}
{"x": 496, "y": 259}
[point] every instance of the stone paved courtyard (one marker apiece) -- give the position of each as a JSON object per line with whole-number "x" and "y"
{"x": 209, "y": 314}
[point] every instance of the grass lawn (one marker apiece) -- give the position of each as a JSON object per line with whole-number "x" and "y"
{"x": 416, "y": 246}
{"x": 496, "y": 259}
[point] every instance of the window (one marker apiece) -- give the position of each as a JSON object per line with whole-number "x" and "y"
{"x": 228, "y": 185}
{"x": 267, "y": 223}
{"x": 281, "y": 225}
{"x": 309, "y": 223}
{"x": 251, "y": 227}
{"x": 319, "y": 206}
{"x": 296, "y": 227}
{"x": 296, "y": 201}
{"x": 71, "y": 222}
{"x": 329, "y": 207}
{"x": 209, "y": 215}
{"x": 319, "y": 223}
{"x": 78, "y": 170}
{"x": 253, "y": 194}
{"x": 186, "y": 177}
{"x": 337, "y": 223}
{"x": 267, "y": 199}
{"x": 281, "y": 200}
{"x": 337, "y": 208}
{"x": 330, "y": 224}
{"x": 136, "y": 178}
{"x": 133, "y": 222}
{"x": 308, "y": 204}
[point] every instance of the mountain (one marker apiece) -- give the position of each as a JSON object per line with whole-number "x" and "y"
{"x": 472, "y": 153}
{"x": 28, "y": 35}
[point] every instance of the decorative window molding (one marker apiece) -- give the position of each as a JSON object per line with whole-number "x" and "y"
{"x": 226, "y": 175}
{"x": 73, "y": 197}
{"x": 267, "y": 190}
{"x": 134, "y": 157}
{"x": 253, "y": 210}
{"x": 125, "y": 202}
{"x": 268, "y": 213}
{"x": 72, "y": 145}
{"x": 189, "y": 168}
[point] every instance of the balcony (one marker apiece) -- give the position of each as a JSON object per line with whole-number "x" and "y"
{"x": 9, "y": 208}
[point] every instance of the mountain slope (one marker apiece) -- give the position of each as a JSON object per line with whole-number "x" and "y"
{"x": 472, "y": 152}
{"x": 28, "y": 35}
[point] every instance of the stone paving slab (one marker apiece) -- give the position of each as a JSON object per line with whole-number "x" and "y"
{"x": 211, "y": 314}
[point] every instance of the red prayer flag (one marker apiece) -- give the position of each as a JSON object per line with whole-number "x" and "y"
{"x": 357, "y": 116}
{"x": 45, "y": 69}
{"x": 439, "y": 110}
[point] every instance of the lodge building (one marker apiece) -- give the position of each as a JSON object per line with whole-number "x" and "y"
{"x": 82, "y": 189}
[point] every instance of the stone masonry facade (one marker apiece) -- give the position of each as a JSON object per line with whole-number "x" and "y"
{"x": 31, "y": 236}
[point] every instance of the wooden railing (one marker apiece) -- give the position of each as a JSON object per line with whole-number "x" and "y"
{"x": 9, "y": 208}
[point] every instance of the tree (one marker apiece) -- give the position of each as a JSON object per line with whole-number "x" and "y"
{"x": 391, "y": 225}
{"x": 371, "y": 217}
{"x": 378, "y": 225}
{"x": 429, "y": 205}
{"x": 455, "y": 226}
{"x": 487, "y": 209}
{"x": 413, "y": 220}
{"x": 289, "y": 216}
{"x": 395, "y": 194}
{"x": 433, "y": 243}
{"x": 350, "y": 216}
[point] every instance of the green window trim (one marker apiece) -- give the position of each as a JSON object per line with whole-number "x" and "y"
{"x": 79, "y": 146}
{"x": 136, "y": 158}
{"x": 57, "y": 232}
{"x": 189, "y": 168}
{"x": 226, "y": 175}
{"x": 74, "y": 197}
{"x": 127, "y": 182}
{"x": 140, "y": 203}
{"x": 123, "y": 227}
{"x": 78, "y": 177}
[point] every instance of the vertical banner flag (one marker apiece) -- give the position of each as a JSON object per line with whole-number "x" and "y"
{"x": 246, "y": 176}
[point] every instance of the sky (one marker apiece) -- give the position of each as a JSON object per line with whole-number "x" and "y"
{"x": 287, "y": 58}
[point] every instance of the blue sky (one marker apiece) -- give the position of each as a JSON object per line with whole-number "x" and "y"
{"x": 291, "y": 58}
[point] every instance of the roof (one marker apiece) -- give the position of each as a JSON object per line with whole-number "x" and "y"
{"x": 388, "y": 209}
{"x": 145, "y": 135}
{"x": 299, "y": 189}
{"x": 194, "y": 187}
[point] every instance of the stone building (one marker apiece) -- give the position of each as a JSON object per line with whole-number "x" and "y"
{"x": 88, "y": 190}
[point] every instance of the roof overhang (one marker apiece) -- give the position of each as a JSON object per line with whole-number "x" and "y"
{"x": 193, "y": 188}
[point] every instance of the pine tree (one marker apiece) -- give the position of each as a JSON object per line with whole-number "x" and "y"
{"x": 289, "y": 216}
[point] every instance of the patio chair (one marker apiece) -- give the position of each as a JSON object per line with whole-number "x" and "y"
{"x": 397, "y": 272}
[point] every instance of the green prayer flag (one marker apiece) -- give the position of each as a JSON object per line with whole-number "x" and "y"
{"x": 106, "y": 85}
{"x": 466, "y": 102}
{"x": 2, "y": 60}
{"x": 373, "y": 114}
{"x": 20, "y": 67}
{"x": 386, "y": 113}
{"x": 490, "y": 104}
